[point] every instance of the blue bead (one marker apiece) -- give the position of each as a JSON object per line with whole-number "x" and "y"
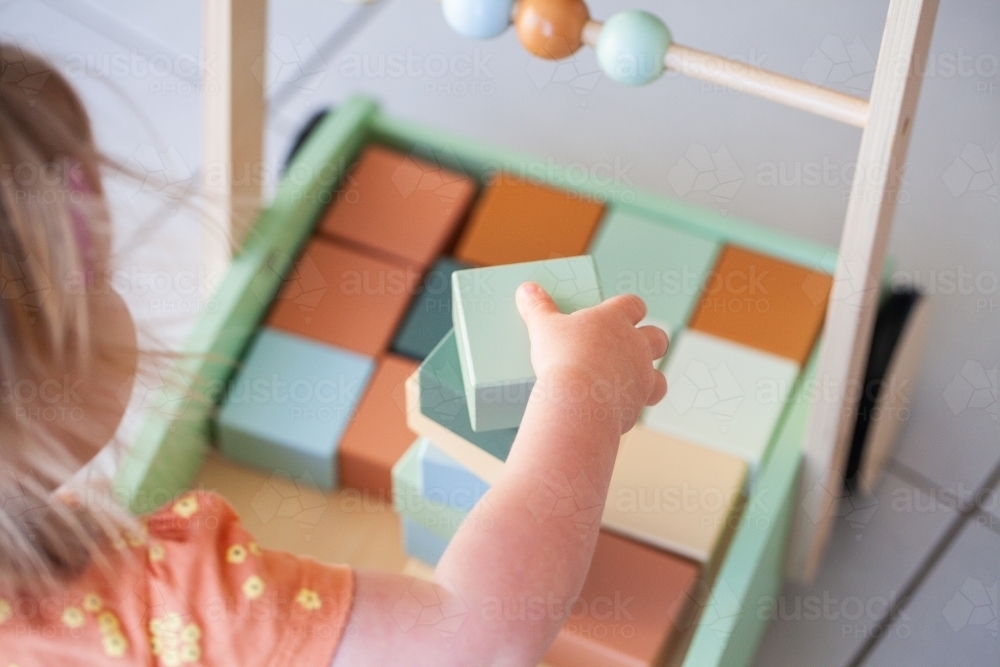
{"x": 631, "y": 47}
{"x": 479, "y": 19}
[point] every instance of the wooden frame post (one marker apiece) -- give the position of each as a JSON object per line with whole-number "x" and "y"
{"x": 233, "y": 114}
{"x": 854, "y": 299}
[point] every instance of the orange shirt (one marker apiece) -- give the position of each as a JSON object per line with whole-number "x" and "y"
{"x": 194, "y": 590}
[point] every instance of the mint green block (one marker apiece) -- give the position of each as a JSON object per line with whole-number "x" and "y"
{"x": 493, "y": 347}
{"x": 408, "y": 499}
{"x": 667, "y": 267}
{"x": 442, "y": 400}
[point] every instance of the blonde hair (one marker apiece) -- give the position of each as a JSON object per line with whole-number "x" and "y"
{"x": 65, "y": 339}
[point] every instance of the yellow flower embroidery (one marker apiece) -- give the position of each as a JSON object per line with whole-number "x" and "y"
{"x": 115, "y": 644}
{"x": 253, "y": 587}
{"x": 157, "y": 552}
{"x": 190, "y": 653}
{"x": 5, "y": 611}
{"x": 191, "y": 633}
{"x": 92, "y": 602}
{"x": 172, "y": 644}
{"x": 108, "y": 622}
{"x": 186, "y": 506}
{"x": 309, "y": 599}
{"x": 135, "y": 539}
{"x": 236, "y": 554}
{"x": 253, "y": 548}
{"x": 72, "y": 617}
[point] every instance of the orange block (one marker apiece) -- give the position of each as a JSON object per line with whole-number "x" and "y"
{"x": 399, "y": 206}
{"x": 633, "y": 600}
{"x": 377, "y": 436}
{"x": 520, "y": 221}
{"x": 341, "y": 297}
{"x": 763, "y": 302}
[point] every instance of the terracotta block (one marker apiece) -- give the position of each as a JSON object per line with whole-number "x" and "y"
{"x": 520, "y": 221}
{"x": 631, "y": 603}
{"x": 342, "y": 297}
{"x": 378, "y": 436}
{"x": 399, "y": 206}
{"x": 763, "y": 302}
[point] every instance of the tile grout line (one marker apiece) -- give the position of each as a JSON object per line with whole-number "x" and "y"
{"x": 940, "y": 547}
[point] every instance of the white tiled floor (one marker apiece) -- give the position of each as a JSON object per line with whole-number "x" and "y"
{"x": 953, "y": 618}
{"x": 781, "y": 167}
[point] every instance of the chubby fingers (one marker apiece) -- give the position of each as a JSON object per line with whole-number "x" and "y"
{"x": 659, "y": 389}
{"x": 657, "y": 340}
{"x": 534, "y": 303}
{"x": 630, "y": 305}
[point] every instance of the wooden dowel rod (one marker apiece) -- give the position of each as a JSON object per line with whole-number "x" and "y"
{"x": 745, "y": 78}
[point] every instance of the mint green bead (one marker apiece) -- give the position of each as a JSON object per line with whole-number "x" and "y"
{"x": 631, "y": 47}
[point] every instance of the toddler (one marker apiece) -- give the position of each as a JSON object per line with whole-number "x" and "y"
{"x": 82, "y": 583}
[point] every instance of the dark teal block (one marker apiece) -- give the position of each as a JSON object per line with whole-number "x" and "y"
{"x": 429, "y": 316}
{"x": 289, "y": 405}
{"x": 442, "y": 399}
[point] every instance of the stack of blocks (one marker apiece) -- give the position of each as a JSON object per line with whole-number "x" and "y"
{"x": 388, "y": 361}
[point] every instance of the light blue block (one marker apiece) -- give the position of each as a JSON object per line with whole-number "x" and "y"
{"x": 447, "y": 481}
{"x": 408, "y": 501}
{"x": 421, "y": 543}
{"x": 664, "y": 266}
{"x": 289, "y": 405}
{"x": 442, "y": 400}
{"x": 493, "y": 347}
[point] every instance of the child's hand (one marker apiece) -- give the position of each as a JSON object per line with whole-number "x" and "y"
{"x": 595, "y": 355}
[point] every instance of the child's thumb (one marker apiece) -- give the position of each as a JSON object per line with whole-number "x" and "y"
{"x": 534, "y": 303}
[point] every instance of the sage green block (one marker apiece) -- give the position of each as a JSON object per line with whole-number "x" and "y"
{"x": 442, "y": 399}
{"x": 493, "y": 347}
{"x": 408, "y": 499}
{"x": 667, "y": 267}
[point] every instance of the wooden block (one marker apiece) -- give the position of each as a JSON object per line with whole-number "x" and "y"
{"x": 448, "y": 481}
{"x": 408, "y": 499}
{"x": 723, "y": 395}
{"x": 399, "y": 206}
{"x": 673, "y": 494}
{"x": 664, "y": 266}
{"x": 342, "y": 297}
{"x": 763, "y": 302}
{"x": 429, "y": 317}
{"x": 378, "y": 435}
{"x": 523, "y": 221}
{"x": 436, "y": 408}
{"x": 420, "y": 543}
{"x": 493, "y": 347}
{"x": 289, "y": 405}
{"x": 633, "y": 600}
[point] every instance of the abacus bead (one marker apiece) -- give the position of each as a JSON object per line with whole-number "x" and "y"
{"x": 631, "y": 47}
{"x": 551, "y": 28}
{"x": 479, "y": 19}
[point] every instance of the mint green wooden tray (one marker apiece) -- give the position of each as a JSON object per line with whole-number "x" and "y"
{"x": 172, "y": 442}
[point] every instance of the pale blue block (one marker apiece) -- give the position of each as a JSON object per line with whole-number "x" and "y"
{"x": 447, "y": 481}
{"x": 422, "y": 543}
{"x": 289, "y": 405}
{"x": 493, "y": 347}
{"x": 408, "y": 501}
{"x": 631, "y": 47}
{"x": 478, "y": 19}
{"x": 664, "y": 266}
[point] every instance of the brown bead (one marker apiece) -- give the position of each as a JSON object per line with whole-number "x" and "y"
{"x": 551, "y": 29}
